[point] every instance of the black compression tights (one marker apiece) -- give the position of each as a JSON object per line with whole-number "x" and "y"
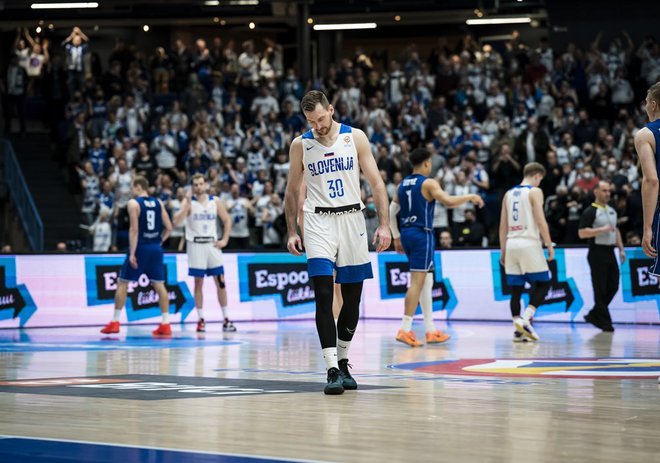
{"x": 348, "y": 317}
{"x": 350, "y": 311}
{"x": 516, "y": 294}
{"x": 325, "y": 322}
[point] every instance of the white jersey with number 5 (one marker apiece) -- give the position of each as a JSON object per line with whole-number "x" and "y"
{"x": 332, "y": 174}
{"x": 520, "y": 214}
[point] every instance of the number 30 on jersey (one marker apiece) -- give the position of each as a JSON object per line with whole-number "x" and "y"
{"x": 335, "y": 188}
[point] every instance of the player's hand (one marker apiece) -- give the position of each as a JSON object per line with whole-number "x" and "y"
{"x": 221, "y": 244}
{"x": 294, "y": 245}
{"x": 551, "y": 253}
{"x": 382, "y": 238}
{"x": 502, "y": 258}
{"x": 647, "y": 247}
{"x": 133, "y": 261}
{"x": 189, "y": 194}
{"x": 477, "y": 200}
{"x": 398, "y": 247}
{"x": 622, "y": 255}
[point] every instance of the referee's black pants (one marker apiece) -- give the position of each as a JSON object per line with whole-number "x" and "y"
{"x": 605, "y": 280}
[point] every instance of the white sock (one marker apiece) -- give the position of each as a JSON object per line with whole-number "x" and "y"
{"x": 330, "y": 357}
{"x": 529, "y": 312}
{"x": 224, "y": 311}
{"x": 166, "y": 318}
{"x": 342, "y": 349}
{"x": 200, "y": 313}
{"x": 426, "y": 301}
{"x": 117, "y": 315}
{"x": 406, "y": 323}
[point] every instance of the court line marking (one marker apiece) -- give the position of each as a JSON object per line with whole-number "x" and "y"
{"x": 168, "y": 449}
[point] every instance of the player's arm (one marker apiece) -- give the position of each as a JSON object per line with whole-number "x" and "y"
{"x": 294, "y": 243}
{"x": 167, "y": 223}
{"x": 432, "y": 190}
{"x": 226, "y": 223}
{"x": 504, "y": 229}
{"x": 133, "y": 209}
{"x": 371, "y": 172}
{"x": 645, "y": 144}
{"x": 395, "y": 207}
{"x": 536, "y": 199}
{"x": 180, "y": 216}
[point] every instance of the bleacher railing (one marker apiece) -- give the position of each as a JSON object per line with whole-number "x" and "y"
{"x": 22, "y": 199}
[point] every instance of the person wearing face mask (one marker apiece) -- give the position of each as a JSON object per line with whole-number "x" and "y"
{"x": 598, "y": 224}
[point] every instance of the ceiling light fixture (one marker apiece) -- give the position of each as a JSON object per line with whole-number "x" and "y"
{"x": 60, "y": 6}
{"x": 344, "y": 27}
{"x": 488, "y": 21}
{"x": 212, "y": 3}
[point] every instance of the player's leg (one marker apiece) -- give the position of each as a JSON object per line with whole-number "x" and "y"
{"x": 346, "y": 325}
{"x": 419, "y": 251}
{"x": 199, "y": 303}
{"x": 216, "y": 270}
{"x": 534, "y": 267}
{"x": 405, "y": 333}
{"x": 126, "y": 274}
{"x": 433, "y": 335}
{"x": 321, "y": 248}
{"x": 164, "y": 303}
{"x": 337, "y": 302}
{"x": 221, "y": 289}
{"x": 514, "y": 304}
{"x": 154, "y": 268}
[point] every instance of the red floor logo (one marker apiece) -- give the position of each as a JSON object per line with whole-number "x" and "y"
{"x": 608, "y": 368}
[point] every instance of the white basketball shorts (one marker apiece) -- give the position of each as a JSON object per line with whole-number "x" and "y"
{"x": 337, "y": 242}
{"x": 524, "y": 261}
{"x": 204, "y": 259}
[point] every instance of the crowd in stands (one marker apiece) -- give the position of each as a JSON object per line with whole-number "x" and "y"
{"x": 230, "y": 111}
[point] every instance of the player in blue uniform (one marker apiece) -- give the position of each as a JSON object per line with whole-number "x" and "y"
{"x": 149, "y": 227}
{"x": 647, "y": 142}
{"x": 415, "y": 202}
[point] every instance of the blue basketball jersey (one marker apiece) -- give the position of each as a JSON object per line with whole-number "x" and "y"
{"x": 654, "y": 127}
{"x": 415, "y": 211}
{"x": 150, "y": 221}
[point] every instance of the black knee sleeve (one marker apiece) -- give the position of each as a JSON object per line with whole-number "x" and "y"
{"x": 516, "y": 294}
{"x": 325, "y": 322}
{"x": 350, "y": 310}
{"x": 538, "y": 293}
{"x": 221, "y": 281}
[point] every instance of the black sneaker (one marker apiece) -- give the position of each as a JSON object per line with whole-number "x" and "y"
{"x": 590, "y": 318}
{"x": 347, "y": 380}
{"x": 334, "y": 385}
{"x": 228, "y": 327}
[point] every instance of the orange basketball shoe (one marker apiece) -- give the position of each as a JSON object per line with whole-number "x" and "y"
{"x": 111, "y": 328}
{"x": 436, "y": 337}
{"x": 408, "y": 337}
{"x": 164, "y": 329}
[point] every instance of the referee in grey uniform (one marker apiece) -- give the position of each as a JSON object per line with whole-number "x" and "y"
{"x": 598, "y": 225}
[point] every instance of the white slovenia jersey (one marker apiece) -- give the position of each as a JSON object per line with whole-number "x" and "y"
{"x": 332, "y": 174}
{"x": 520, "y": 214}
{"x": 201, "y": 223}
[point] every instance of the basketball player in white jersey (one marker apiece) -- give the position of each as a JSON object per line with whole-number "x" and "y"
{"x": 329, "y": 158}
{"x": 523, "y": 230}
{"x": 201, "y": 212}
{"x": 337, "y": 299}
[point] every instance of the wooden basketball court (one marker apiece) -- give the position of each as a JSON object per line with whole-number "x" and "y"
{"x": 256, "y": 395}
